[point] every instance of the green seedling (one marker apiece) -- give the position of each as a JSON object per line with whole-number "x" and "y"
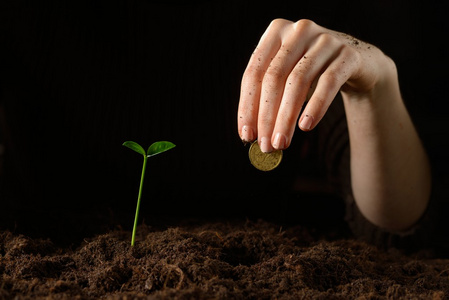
{"x": 155, "y": 148}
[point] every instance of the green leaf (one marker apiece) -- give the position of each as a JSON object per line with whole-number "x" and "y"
{"x": 159, "y": 147}
{"x": 134, "y": 146}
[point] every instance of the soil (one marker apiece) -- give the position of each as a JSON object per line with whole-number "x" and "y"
{"x": 221, "y": 260}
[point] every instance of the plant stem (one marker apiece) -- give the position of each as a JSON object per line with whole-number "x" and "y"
{"x": 133, "y": 239}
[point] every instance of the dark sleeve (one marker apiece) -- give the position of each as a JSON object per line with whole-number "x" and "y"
{"x": 335, "y": 153}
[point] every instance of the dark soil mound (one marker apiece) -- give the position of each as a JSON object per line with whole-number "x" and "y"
{"x": 216, "y": 261}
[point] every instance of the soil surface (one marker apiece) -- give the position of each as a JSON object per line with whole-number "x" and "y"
{"x": 235, "y": 260}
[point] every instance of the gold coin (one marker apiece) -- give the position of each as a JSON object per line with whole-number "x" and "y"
{"x": 264, "y": 161}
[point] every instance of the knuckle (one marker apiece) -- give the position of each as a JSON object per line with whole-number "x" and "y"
{"x": 264, "y": 117}
{"x": 348, "y": 50}
{"x": 350, "y": 54}
{"x": 331, "y": 79}
{"x": 299, "y": 77}
{"x": 274, "y": 71}
{"x": 274, "y": 74}
{"x": 326, "y": 39}
{"x": 253, "y": 73}
{"x": 357, "y": 55}
{"x": 303, "y": 25}
{"x": 265, "y": 121}
{"x": 289, "y": 118}
{"x": 279, "y": 22}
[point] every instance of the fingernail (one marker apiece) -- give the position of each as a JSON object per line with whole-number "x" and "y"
{"x": 279, "y": 141}
{"x": 306, "y": 122}
{"x": 247, "y": 134}
{"x": 265, "y": 145}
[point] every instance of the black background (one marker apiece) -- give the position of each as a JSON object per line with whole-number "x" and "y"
{"x": 80, "y": 78}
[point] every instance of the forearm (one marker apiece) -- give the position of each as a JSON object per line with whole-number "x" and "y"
{"x": 390, "y": 173}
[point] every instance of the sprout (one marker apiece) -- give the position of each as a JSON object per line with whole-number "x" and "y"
{"x": 155, "y": 148}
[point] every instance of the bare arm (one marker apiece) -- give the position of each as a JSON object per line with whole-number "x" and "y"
{"x": 389, "y": 168}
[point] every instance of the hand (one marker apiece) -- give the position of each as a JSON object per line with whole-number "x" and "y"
{"x": 390, "y": 172}
{"x": 289, "y": 60}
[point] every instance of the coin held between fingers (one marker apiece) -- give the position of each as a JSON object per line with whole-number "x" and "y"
{"x": 264, "y": 161}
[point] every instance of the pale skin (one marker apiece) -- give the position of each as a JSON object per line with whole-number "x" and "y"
{"x": 390, "y": 172}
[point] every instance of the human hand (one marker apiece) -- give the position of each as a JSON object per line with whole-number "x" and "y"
{"x": 290, "y": 59}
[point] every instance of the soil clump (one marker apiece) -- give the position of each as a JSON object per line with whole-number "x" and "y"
{"x": 235, "y": 260}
